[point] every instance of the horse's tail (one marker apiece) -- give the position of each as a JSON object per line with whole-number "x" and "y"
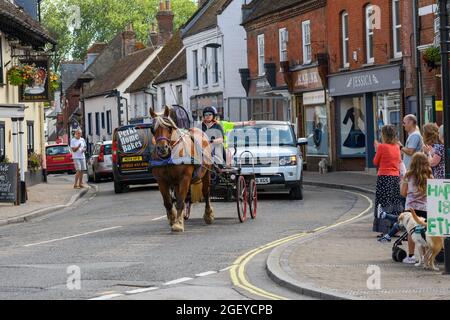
{"x": 197, "y": 192}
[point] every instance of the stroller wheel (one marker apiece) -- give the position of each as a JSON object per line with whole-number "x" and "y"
{"x": 401, "y": 254}
{"x": 394, "y": 254}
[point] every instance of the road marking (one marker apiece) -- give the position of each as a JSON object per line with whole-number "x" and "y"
{"x": 108, "y": 296}
{"x": 225, "y": 269}
{"x": 159, "y": 218}
{"x": 177, "y": 281}
{"x": 204, "y": 274}
{"x": 142, "y": 290}
{"x": 70, "y": 237}
{"x": 237, "y": 271}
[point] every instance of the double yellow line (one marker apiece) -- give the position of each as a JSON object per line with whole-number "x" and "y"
{"x": 237, "y": 271}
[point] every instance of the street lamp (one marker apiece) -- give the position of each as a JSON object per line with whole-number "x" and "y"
{"x": 444, "y": 31}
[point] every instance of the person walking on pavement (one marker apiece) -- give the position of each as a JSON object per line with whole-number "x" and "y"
{"x": 388, "y": 161}
{"x": 434, "y": 149}
{"x": 414, "y": 143}
{"x": 79, "y": 147}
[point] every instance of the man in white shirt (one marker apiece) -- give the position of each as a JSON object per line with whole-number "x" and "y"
{"x": 414, "y": 143}
{"x": 78, "y": 146}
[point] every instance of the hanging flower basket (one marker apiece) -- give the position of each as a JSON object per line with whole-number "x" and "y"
{"x": 432, "y": 58}
{"x": 25, "y": 75}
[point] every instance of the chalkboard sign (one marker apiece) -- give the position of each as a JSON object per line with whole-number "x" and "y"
{"x": 9, "y": 182}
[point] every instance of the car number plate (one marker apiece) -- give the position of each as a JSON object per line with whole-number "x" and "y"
{"x": 58, "y": 159}
{"x": 262, "y": 180}
{"x": 132, "y": 159}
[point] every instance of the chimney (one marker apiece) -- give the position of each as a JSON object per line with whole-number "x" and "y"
{"x": 165, "y": 22}
{"x": 153, "y": 37}
{"x": 128, "y": 40}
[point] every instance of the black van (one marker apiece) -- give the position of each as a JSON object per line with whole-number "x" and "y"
{"x": 131, "y": 154}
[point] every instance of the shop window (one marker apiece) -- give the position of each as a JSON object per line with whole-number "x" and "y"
{"x": 352, "y": 126}
{"x": 2, "y": 142}
{"x": 261, "y": 57}
{"x": 317, "y": 130}
{"x": 30, "y": 137}
{"x": 345, "y": 40}
{"x": 388, "y": 111}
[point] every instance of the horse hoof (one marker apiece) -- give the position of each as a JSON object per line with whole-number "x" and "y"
{"x": 177, "y": 228}
{"x": 208, "y": 219}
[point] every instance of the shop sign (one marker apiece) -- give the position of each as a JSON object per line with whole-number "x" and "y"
{"x": 314, "y": 98}
{"x": 308, "y": 79}
{"x": 378, "y": 79}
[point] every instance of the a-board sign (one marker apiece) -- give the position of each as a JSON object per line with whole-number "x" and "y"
{"x": 438, "y": 208}
{"x": 9, "y": 182}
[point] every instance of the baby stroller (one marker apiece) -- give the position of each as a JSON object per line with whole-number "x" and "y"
{"x": 398, "y": 254}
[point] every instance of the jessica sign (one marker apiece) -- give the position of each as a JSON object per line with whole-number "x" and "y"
{"x": 438, "y": 207}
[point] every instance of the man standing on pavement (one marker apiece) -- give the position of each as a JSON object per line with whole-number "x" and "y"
{"x": 78, "y": 146}
{"x": 414, "y": 143}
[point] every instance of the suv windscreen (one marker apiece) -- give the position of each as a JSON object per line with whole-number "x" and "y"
{"x": 262, "y": 135}
{"x": 58, "y": 150}
{"x": 134, "y": 140}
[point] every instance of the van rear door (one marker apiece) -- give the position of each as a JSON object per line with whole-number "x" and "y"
{"x": 134, "y": 149}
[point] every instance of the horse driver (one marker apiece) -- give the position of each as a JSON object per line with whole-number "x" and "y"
{"x": 215, "y": 133}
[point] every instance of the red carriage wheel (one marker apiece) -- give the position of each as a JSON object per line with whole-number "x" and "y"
{"x": 253, "y": 198}
{"x": 241, "y": 198}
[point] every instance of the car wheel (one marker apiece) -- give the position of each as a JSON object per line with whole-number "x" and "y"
{"x": 118, "y": 187}
{"x": 296, "y": 193}
{"x": 96, "y": 178}
{"x": 90, "y": 179}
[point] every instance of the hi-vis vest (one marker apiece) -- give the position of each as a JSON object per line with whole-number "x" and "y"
{"x": 227, "y": 127}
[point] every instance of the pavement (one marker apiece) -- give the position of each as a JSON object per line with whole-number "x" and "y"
{"x": 43, "y": 198}
{"x": 347, "y": 262}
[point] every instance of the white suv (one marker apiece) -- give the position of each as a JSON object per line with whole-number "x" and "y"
{"x": 271, "y": 151}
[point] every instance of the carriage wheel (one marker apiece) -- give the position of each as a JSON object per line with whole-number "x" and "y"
{"x": 241, "y": 199}
{"x": 253, "y": 198}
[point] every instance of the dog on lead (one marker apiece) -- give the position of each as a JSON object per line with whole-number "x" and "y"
{"x": 427, "y": 247}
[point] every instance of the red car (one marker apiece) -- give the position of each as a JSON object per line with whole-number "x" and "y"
{"x": 59, "y": 159}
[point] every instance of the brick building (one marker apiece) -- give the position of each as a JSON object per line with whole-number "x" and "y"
{"x": 287, "y": 59}
{"x": 372, "y": 78}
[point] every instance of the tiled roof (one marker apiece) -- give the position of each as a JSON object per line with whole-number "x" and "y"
{"x": 97, "y": 47}
{"x": 260, "y": 8}
{"x": 118, "y": 73}
{"x": 175, "y": 71}
{"x": 208, "y": 19}
{"x": 163, "y": 58}
{"x": 20, "y": 24}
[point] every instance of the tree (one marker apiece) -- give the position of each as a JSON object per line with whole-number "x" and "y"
{"x": 77, "y": 24}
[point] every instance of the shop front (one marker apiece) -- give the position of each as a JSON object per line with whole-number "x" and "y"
{"x": 364, "y": 101}
{"x": 311, "y": 110}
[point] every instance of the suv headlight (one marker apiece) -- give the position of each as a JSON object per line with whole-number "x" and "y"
{"x": 288, "y": 161}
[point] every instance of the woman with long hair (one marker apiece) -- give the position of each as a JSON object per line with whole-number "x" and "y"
{"x": 434, "y": 149}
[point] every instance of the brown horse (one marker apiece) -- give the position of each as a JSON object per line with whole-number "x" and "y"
{"x": 183, "y": 159}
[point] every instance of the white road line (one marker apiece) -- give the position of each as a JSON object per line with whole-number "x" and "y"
{"x": 177, "y": 281}
{"x": 70, "y": 237}
{"x": 108, "y": 296}
{"x": 207, "y": 273}
{"x": 159, "y": 218}
{"x": 142, "y": 290}
{"x": 225, "y": 269}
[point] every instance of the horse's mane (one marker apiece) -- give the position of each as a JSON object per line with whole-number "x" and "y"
{"x": 164, "y": 122}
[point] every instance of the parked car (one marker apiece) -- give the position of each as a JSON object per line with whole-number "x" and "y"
{"x": 131, "y": 154}
{"x": 59, "y": 159}
{"x": 99, "y": 164}
{"x": 271, "y": 150}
